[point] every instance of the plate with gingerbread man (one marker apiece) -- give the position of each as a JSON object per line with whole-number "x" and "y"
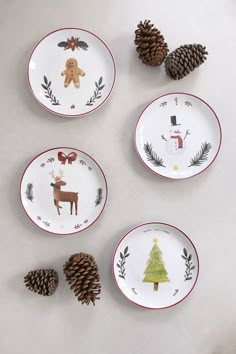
{"x": 178, "y": 136}
{"x": 63, "y": 191}
{"x": 71, "y": 72}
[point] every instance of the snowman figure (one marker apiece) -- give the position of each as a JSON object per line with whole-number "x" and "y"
{"x": 176, "y": 144}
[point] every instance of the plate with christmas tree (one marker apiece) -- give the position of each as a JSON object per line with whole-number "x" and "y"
{"x": 178, "y": 135}
{"x": 71, "y": 72}
{"x": 155, "y": 265}
{"x": 63, "y": 191}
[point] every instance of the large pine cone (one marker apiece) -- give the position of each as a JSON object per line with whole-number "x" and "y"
{"x": 42, "y": 281}
{"x": 150, "y": 43}
{"x": 185, "y": 59}
{"x": 81, "y": 272}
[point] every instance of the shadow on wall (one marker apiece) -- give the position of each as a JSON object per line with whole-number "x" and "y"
{"x": 227, "y": 345}
{"x": 22, "y": 82}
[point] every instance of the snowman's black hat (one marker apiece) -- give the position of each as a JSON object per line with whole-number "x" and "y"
{"x": 173, "y": 121}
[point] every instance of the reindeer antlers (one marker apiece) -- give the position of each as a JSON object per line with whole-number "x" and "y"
{"x": 52, "y": 174}
{"x": 56, "y": 178}
{"x": 61, "y": 174}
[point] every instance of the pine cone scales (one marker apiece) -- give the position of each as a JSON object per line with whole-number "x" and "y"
{"x": 185, "y": 59}
{"x": 42, "y": 281}
{"x": 81, "y": 272}
{"x": 150, "y": 43}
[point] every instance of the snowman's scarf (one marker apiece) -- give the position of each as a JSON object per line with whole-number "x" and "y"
{"x": 180, "y": 140}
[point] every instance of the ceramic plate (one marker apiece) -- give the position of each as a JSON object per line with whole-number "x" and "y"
{"x": 155, "y": 265}
{"x": 63, "y": 190}
{"x": 178, "y": 136}
{"x": 71, "y": 72}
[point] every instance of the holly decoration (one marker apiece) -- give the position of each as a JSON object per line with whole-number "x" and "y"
{"x": 73, "y": 43}
{"x": 155, "y": 271}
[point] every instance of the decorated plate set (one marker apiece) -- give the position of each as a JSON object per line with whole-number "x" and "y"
{"x": 72, "y": 72}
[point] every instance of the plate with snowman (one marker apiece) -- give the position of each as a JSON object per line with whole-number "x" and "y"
{"x": 178, "y": 136}
{"x": 155, "y": 265}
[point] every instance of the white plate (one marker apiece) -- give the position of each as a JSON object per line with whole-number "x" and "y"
{"x": 155, "y": 265}
{"x": 71, "y": 72}
{"x": 178, "y": 136}
{"x": 46, "y": 182}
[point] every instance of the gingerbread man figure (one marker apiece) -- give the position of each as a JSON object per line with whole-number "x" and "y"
{"x": 72, "y": 73}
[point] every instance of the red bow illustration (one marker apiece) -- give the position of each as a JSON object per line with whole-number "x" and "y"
{"x": 63, "y": 157}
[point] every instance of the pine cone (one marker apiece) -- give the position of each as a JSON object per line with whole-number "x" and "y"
{"x": 150, "y": 43}
{"x": 81, "y": 272}
{"x": 185, "y": 59}
{"x": 42, "y": 281}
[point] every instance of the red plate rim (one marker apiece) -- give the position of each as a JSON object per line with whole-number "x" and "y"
{"x": 92, "y": 110}
{"x": 135, "y": 133}
{"x": 64, "y": 147}
{"x": 158, "y": 223}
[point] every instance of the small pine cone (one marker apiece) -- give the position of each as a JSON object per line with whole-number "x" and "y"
{"x": 42, "y": 281}
{"x": 185, "y": 59}
{"x": 150, "y": 43}
{"x": 81, "y": 272}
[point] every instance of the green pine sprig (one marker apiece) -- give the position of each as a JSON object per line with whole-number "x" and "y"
{"x": 99, "y": 197}
{"x": 29, "y": 192}
{"x": 201, "y": 156}
{"x": 152, "y": 156}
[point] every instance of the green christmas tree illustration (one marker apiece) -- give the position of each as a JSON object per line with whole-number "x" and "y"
{"x": 155, "y": 271}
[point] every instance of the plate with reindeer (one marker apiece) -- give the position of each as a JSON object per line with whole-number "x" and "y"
{"x": 63, "y": 191}
{"x": 178, "y": 136}
{"x": 71, "y": 72}
{"x": 155, "y": 265}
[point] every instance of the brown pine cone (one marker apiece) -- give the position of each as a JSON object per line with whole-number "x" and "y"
{"x": 42, "y": 281}
{"x": 185, "y": 59}
{"x": 150, "y": 43}
{"x": 81, "y": 272}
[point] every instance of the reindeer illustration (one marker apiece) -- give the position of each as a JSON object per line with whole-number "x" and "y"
{"x": 61, "y": 196}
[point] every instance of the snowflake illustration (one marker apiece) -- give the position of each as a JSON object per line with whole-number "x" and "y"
{"x": 90, "y": 168}
{"x": 42, "y": 165}
{"x": 51, "y": 159}
{"x": 72, "y": 106}
{"x": 85, "y": 221}
{"x": 39, "y": 217}
{"x": 176, "y": 101}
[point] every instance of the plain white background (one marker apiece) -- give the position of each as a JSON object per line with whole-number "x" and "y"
{"x": 203, "y": 207}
